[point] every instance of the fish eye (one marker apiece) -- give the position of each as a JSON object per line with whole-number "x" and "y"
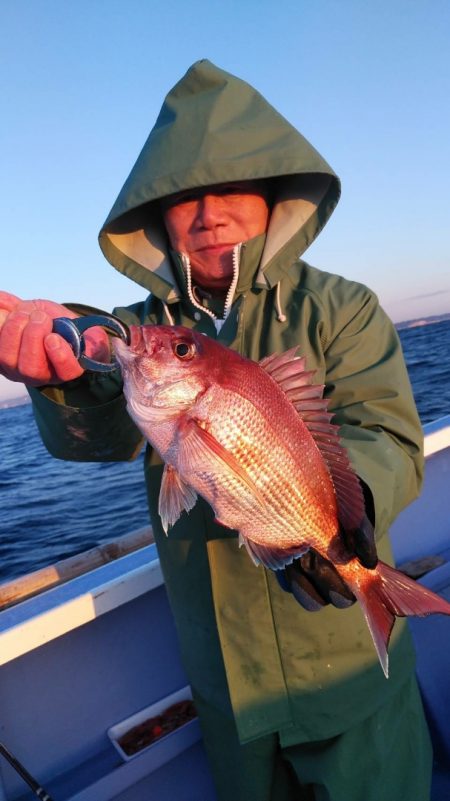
{"x": 184, "y": 350}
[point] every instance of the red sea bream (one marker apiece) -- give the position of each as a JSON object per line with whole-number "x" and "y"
{"x": 255, "y": 440}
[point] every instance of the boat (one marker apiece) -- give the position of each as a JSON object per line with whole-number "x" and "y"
{"x": 89, "y": 653}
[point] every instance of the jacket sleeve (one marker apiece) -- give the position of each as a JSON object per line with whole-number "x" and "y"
{"x": 370, "y": 393}
{"x": 86, "y": 420}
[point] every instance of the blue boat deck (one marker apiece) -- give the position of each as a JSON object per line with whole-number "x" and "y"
{"x": 107, "y": 649}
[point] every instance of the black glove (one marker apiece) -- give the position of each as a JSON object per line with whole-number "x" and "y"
{"x": 315, "y": 582}
{"x": 361, "y": 542}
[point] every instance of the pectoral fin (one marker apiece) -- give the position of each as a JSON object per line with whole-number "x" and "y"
{"x": 175, "y": 496}
{"x": 198, "y": 441}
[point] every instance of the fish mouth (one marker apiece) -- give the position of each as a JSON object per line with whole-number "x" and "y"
{"x": 122, "y": 354}
{"x": 126, "y": 353}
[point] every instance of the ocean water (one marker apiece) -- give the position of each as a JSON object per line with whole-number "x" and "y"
{"x": 427, "y": 355}
{"x": 50, "y": 509}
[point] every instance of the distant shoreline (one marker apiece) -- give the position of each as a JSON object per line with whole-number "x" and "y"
{"x": 9, "y": 403}
{"x": 420, "y": 321}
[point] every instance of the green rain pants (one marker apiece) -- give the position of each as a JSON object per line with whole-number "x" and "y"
{"x": 385, "y": 758}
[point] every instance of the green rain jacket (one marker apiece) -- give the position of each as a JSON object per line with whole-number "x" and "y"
{"x": 307, "y": 676}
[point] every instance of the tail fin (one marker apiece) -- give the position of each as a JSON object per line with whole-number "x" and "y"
{"x": 391, "y": 594}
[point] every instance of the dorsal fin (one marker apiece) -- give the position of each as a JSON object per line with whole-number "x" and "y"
{"x": 289, "y": 371}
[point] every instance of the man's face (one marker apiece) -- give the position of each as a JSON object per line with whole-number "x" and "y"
{"x": 207, "y": 223}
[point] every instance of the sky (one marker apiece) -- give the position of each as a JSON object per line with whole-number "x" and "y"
{"x": 367, "y": 82}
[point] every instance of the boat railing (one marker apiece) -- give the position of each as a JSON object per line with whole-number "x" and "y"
{"x": 24, "y": 587}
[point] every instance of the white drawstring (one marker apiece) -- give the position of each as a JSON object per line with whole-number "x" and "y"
{"x": 280, "y": 316}
{"x": 230, "y": 294}
{"x": 218, "y": 322}
{"x": 191, "y": 296}
{"x": 170, "y": 318}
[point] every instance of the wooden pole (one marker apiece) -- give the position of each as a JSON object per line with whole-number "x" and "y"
{"x": 16, "y": 590}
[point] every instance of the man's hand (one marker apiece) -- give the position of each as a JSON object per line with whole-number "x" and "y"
{"x": 315, "y": 582}
{"x": 31, "y": 353}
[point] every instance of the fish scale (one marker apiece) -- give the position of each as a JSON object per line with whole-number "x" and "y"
{"x": 288, "y": 517}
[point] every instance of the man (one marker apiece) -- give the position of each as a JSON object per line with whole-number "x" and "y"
{"x": 223, "y": 198}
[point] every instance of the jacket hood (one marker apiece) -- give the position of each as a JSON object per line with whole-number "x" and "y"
{"x": 214, "y": 128}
